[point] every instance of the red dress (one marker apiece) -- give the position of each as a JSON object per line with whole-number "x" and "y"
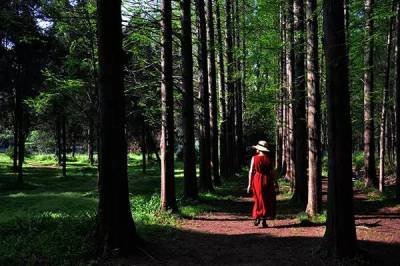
{"x": 263, "y": 188}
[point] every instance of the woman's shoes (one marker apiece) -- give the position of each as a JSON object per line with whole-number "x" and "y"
{"x": 264, "y": 224}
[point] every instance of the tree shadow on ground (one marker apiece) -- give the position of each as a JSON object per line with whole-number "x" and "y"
{"x": 195, "y": 248}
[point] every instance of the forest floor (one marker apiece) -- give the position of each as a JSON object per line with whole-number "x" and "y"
{"x": 48, "y": 219}
{"x": 227, "y": 236}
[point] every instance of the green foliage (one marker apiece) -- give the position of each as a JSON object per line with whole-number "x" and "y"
{"x": 358, "y": 160}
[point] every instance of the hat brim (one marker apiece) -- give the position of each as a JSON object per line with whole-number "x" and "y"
{"x": 260, "y": 148}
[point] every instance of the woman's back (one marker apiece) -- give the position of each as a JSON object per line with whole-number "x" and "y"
{"x": 262, "y": 164}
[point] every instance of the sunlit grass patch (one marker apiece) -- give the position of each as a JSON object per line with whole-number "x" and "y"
{"x": 305, "y": 219}
{"x": 49, "y": 238}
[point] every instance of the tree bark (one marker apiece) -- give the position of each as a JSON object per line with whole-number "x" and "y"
{"x": 222, "y": 88}
{"x": 369, "y": 141}
{"x": 144, "y": 147}
{"x": 212, "y": 84}
{"x": 205, "y": 141}
{"x": 64, "y": 147}
{"x": 58, "y": 141}
{"x": 398, "y": 104}
{"x": 230, "y": 131}
{"x": 281, "y": 158}
{"x": 115, "y": 227}
{"x": 300, "y": 130}
{"x": 314, "y": 110}
{"x": 383, "y": 132}
{"x": 21, "y": 151}
{"x": 238, "y": 91}
{"x": 168, "y": 200}
{"x": 340, "y": 234}
{"x": 91, "y": 141}
{"x": 15, "y": 145}
{"x": 290, "y": 70}
{"x": 189, "y": 152}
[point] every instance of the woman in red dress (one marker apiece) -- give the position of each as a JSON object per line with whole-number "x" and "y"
{"x": 262, "y": 183}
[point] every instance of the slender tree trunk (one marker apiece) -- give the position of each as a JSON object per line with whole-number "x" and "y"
{"x": 205, "y": 149}
{"x": 64, "y": 146}
{"x": 238, "y": 91}
{"x": 222, "y": 89}
{"x": 17, "y": 121}
{"x": 279, "y": 100}
{"x": 115, "y": 227}
{"x": 234, "y": 148}
{"x": 144, "y": 148}
{"x": 91, "y": 141}
{"x": 285, "y": 148}
{"x": 300, "y": 130}
{"x": 212, "y": 79}
{"x": 369, "y": 142}
{"x": 15, "y": 145}
{"x": 20, "y": 117}
{"x": 314, "y": 109}
{"x": 347, "y": 19}
{"x": 73, "y": 144}
{"x": 168, "y": 200}
{"x": 21, "y": 150}
{"x": 340, "y": 233}
{"x": 244, "y": 55}
{"x": 230, "y": 131}
{"x": 398, "y": 104}
{"x": 58, "y": 141}
{"x": 189, "y": 152}
{"x": 290, "y": 70}
{"x": 383, "y": 132}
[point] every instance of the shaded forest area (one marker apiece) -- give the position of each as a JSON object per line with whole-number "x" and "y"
{"x": 127, "y": 122}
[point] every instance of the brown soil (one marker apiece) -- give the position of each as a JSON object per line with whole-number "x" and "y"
{"x": 230, "y": 238}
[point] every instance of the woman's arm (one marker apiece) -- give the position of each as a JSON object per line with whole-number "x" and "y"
{"x": 250, "y": 175}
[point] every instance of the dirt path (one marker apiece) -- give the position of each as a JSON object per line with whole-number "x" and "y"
{"x": 222, "y": 238}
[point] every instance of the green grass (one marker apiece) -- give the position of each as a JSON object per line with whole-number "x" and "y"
{"x": 47, "y": 220}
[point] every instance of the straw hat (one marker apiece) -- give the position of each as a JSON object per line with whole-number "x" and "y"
{"x": 262, "y": 145}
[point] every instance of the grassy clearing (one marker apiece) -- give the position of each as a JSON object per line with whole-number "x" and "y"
{"x": 47, "y": 220}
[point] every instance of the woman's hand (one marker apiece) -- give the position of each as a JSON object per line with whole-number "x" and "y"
{"x": 248, "y": 189}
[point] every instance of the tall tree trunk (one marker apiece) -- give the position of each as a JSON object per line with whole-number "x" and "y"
{"x": 21, "y": 150}
{"x": 290, "y": 70}
{"x": 279, "y": 100}
{"x": 314, "y": 110}
{"x": 212, "y": 79}
{"x": 91, "y": 141}
{"x": 347, "y": 19}
{"x": 300, "y": 130}
{"x": 369, "y": 141}
{"x": 205, "y": 141}
{"x": 340, "y": 233}
{"x": 398, "y": 104}
{"x": 115, "y": 229}
{"x": 189, "y": 152}
{"x": 383, "y": 132}
{"x": 222, "y": 89}
{"x": 238, "y": 91}
{"x": 230, "y": 129}
{"x": 58, "y": 141}
{"x": 20, "y": 116}
{"x": 64, "y": 146}
{"x": 15, "y": 145}
{"x": 168, "y": 200}
{"x": 244, "y": 58}
{"x": 144, "y": 147}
